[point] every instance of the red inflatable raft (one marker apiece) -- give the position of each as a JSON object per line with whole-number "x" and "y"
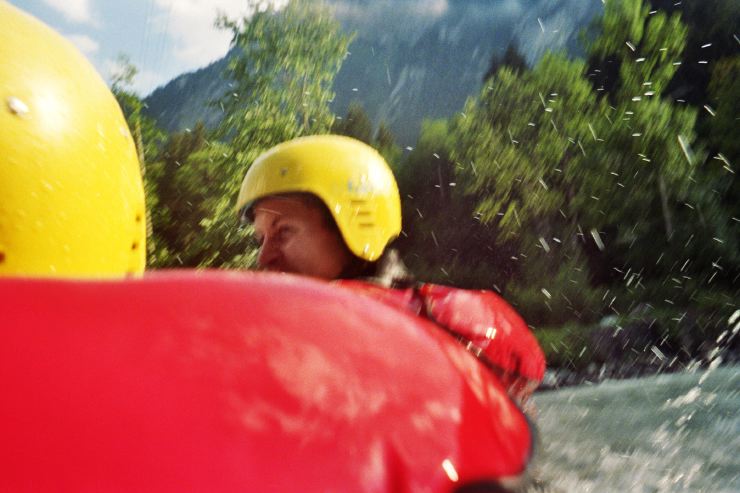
{"x": 233, "y": 382}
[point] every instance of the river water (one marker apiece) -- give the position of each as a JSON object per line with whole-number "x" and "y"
{"x": 666, "y": 433}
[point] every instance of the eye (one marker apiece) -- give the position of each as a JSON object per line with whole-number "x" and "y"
{"x": 285, "y": 232}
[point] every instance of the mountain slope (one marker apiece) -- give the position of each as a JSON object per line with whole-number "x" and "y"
{"x": 411, "y": 59}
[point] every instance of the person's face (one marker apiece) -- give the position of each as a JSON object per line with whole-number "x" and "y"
{"x": 295, "y": 238}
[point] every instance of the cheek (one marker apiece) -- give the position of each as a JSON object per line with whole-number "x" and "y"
{"x": 302, "y": 246}
{"x": 316, "y": 251}
{"x": 333, "y": 252}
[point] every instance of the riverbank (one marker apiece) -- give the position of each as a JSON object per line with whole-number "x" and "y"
{"x": 641, "y": 345}
{"x": 558, "y": 378}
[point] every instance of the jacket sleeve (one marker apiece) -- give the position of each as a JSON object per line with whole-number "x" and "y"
{"x": 492, "y": 330}
{"x": 482, "y": 321}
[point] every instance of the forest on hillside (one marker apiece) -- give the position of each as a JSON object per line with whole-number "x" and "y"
{"x": 595, "y": 194}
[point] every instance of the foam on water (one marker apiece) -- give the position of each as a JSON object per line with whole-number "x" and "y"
{"x": 668, "y": 433}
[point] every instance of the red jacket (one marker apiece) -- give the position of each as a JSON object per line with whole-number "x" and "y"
{"x": 481, "y": 320}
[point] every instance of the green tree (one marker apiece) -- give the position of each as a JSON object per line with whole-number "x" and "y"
{"x": 281, "y": 77}
{"x": 522, "y": 149}
{"x": 712, "y": 29}
{"x": 423, "y": 181}
{"x": 586, "y": 182}
{"x": 512, "y": 58}
{"x": 443, "y": 240}
{"x": 720, "y": 197}
{"x": 671, "y": 184}
{"x": 282, "y": 74}
{"x": 355, "y": 124}
{"x": 724, "y": 97}
{"x": 147, "y": 137}
{"x": 385, "y": 143}
{"x": 170, "y": 218}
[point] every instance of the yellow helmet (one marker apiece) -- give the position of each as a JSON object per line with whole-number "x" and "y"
{"x": 350, "y": 177}
{"x": 71, "y": 195}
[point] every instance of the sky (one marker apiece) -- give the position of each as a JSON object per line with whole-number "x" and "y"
{"x": 162, "y": 38}
{"x": 165, "y": 38}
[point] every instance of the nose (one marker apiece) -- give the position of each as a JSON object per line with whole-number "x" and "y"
{"x": 269, "y": 253}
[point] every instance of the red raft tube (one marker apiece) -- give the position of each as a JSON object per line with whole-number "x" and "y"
{"x": 233, "y": 382}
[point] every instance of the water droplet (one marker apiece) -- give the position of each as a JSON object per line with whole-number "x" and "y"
{"x": 597, "y": 239}
{"x": 658, "y": 353}
{"x": 592, "y": 131}
{"x": 734, "y": 317}
{"x": 544, "y": 244}
{"x": 686, "y": 149}
{"x": 17, "y": 107}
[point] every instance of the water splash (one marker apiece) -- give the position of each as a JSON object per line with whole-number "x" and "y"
{"x": 683, "y": 142}
{"x": 661, "y": 434}
{"x": 597, "y": 239}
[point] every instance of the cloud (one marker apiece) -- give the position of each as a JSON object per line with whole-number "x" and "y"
{"x": 402, "y": 19}
{"x": 79, "y": 11}
{"x": 189, "y": 24}
{"x": 84, "y": 43}
{"x": 354, "y": 10}
{"x": 144, "y": 81}
{"x": 433, "y": 8}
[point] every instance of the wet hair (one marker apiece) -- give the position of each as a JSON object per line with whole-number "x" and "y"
{"x": 389, "y": 271}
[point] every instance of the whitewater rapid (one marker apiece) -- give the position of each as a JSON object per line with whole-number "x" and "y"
{"x": 666, "y": 433}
